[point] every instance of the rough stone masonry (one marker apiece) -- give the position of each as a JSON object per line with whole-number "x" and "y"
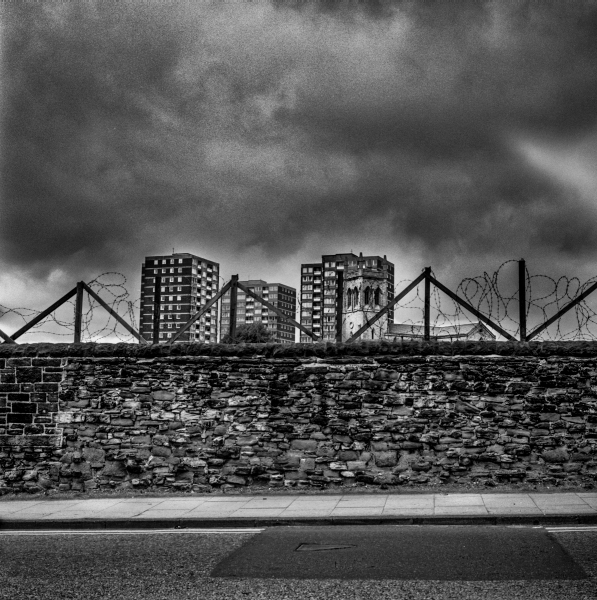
{"x": 198, "y": 417}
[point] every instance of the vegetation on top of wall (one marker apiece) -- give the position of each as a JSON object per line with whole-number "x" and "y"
{"x": 321, "y": 349}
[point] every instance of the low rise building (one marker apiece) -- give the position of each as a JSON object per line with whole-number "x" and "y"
{"x": 446, "y": 333}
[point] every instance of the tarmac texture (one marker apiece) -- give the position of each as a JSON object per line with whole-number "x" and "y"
{"x": 180, "y": 565}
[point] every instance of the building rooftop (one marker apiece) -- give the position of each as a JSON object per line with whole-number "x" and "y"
{"x": 438, "y": 331}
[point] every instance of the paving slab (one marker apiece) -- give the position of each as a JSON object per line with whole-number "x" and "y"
{"x": 257, "y": 512}
{"x": 462, "y": 500}
{"x": 362, "y": 512}
{"x": 162, "y": 514}
{"x": 513, "y": 510}
{"x": 362, "y": 501}
{"x": 569, "y": 509}
{"x": 465, "y": 510}
{"x": 71, "y": 516}
{"x": 440, "y": 508}
{"x": 557, "y": 499}
{"x": 93, "y": 504}
{"x": 408, "y": 511}
{"x": 271, "y": 502}
{"x": 410, "y": 502}
{"x": 230, "y": 498}
{"x": 315, "y": 501}
{"x": 509, "y": 501}
{"x": 306, "y": 514}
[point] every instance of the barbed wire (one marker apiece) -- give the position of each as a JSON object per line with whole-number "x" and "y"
{"x": 486, "y": 292}
{"x": 111, "y": 287}
{"x": 545, "y": 296}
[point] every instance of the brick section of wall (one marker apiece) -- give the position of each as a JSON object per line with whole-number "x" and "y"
{"x": 29, "y": 434}
{"x": 199, "y": 422}
{"x": 28, "y": 398}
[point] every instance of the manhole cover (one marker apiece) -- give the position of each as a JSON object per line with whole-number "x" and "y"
{"x": 451, "y": 553}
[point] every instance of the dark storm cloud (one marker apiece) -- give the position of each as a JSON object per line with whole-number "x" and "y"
{"x": 133, "y": 126}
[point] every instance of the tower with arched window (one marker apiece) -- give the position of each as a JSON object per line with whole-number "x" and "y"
{"x": 366, "y": 292}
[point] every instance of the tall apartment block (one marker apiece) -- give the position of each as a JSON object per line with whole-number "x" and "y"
{"x": 249, "y": 311}
{"x": 322, "y": 292}
{"x": 188, "y": 282}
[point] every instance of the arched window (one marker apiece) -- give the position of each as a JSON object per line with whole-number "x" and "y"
{"x": 376, "y": 297}
{"x": 367, "y": 295}
{"x": 348, "y": 298}
{"x": 355, "y": 297}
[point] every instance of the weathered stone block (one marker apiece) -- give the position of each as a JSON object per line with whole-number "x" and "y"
{"x": 118, "y": 422}
{"x": 559, "y": 455}
{"x": 356, "y": 465}
{"x": 93, "y": 455}
{"x": 114, "y": 469}
{"x": 164, "y": 451}
{"x": 310, "y": 445}
{"x": 162, "y": 395}
{"x": 386, "y": 459}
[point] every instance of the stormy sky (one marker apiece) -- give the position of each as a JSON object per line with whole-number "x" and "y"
{"x": 451, "y": 134}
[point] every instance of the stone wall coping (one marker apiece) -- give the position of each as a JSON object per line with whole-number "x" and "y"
{"x": 584, "y": 349}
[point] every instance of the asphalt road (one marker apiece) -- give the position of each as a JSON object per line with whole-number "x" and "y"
{"x": 186, "y": 565}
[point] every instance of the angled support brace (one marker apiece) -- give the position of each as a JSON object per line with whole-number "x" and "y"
{"x": 114, "y": 314}
{"x": 6, "y": 338}
{"x": 388, "y": 307}
{"x": 278, "y": 312}
{"x": 561, "y": 312}
{"x": 198, "y": 315}
{"x": 470, "y": 308}
{"x": 42, "y": 315}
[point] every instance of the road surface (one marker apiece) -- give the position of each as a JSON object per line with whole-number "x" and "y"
{"x": 303, "y": 562}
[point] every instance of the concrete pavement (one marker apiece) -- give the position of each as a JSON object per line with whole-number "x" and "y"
{"x": 237, "y": 510}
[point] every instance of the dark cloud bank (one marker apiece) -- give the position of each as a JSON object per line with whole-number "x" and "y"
{"x": 132, "y": 127}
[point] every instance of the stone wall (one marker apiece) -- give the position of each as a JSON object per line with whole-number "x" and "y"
{"x": 197, "y": 417}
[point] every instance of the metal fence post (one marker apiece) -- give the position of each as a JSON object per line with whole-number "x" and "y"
{"x": 426, "y": 315}
{"x": 522, "y": 300}
{"x": 339, "y": 305}
{"x": 233, "y": 294}
{"x": 155, "y": 337}
{"x": 78, "y": 312}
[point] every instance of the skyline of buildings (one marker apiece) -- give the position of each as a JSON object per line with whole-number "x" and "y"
{"x": 323, "y": 291}
{"x": 337, "y": 296}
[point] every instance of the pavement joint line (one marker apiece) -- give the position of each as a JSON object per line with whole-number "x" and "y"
{"x": 19, "y": 532}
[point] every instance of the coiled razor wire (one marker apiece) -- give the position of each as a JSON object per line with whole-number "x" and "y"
{"x": 111, "y": 287}
{"x": 486, "y": 293}
{"x": 545, "y": 296}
